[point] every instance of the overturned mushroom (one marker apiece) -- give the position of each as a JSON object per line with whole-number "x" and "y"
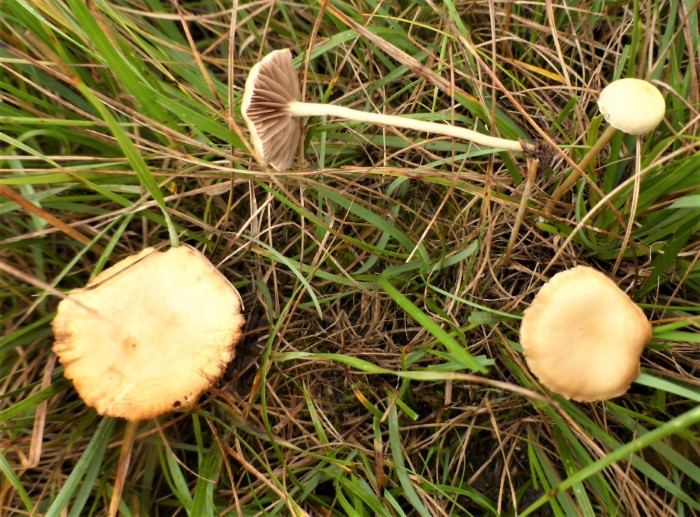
{"x": 582, "y": 336}
{"x": 272, "y": 111}
{"x": 149, "y": 334}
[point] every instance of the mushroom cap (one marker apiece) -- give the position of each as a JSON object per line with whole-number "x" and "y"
{"x": 271, "y": 85}
{"x": 149, "y": 334}
{"x": 583, "y": 337}
{"x": 633, "y": 106}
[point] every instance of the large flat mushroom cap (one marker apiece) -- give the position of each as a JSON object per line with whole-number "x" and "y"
{"x": 149, "y": 334}
{"x": 271, "y": 85}
{"x": 583, "y": 337}
{"x": 633, "y": 106}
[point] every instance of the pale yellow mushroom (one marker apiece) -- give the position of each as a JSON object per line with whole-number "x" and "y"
{"x": 633, "y": 106}
{"x": 583, "y": 337}
{"x": 149, "y": 334}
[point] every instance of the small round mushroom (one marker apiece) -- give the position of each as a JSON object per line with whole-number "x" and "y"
{"x": 583, "y": 337}
{"x": 633, "y": 106}
{"x": 149, "y": 334}
{"x": 271, "y": 109}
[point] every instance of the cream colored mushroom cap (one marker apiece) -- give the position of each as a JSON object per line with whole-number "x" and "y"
{"x": 633, "y": 106}
{"x": 271, "y": 85}
{"x": 583, "y": 337}
{"x": 149, "y": 334}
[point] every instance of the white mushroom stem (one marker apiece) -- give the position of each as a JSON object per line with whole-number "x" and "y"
{"x": 309, "y": 109}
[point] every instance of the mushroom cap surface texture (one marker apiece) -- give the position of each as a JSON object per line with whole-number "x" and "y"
{"x": 149, "y": 334}
{"x": 633, "y": 106}
{"x": 271, "y": 85}
{"x": 583, "y": 337}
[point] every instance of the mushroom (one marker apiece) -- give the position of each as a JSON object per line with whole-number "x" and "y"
{"x": 633, "y": 106}
{"x": 272, "y": 111}
{"x": 583, "y": 337}
{"x": 149, "y": 334}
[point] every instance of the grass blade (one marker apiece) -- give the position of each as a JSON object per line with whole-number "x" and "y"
{"x": 673, "y": 426}
{"x": 93, "y": 454}
{"x": 458, "y": 352}
{"x": 397, "y": 454}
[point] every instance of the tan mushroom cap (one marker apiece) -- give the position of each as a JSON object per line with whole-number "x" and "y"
{"x": 149, "y": 334}
{"x": 633, "y": 106}
{"x": 271, "y": 85}
{"x": 583, "y": 336}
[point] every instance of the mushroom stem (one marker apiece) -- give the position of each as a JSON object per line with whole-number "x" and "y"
{"x": 575, "y": 174}
{"x": 309, "y": 109}
{"x": 635, "y": 202}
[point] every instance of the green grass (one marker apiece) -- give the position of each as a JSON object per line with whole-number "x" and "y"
{"x": 380, "y": 373}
